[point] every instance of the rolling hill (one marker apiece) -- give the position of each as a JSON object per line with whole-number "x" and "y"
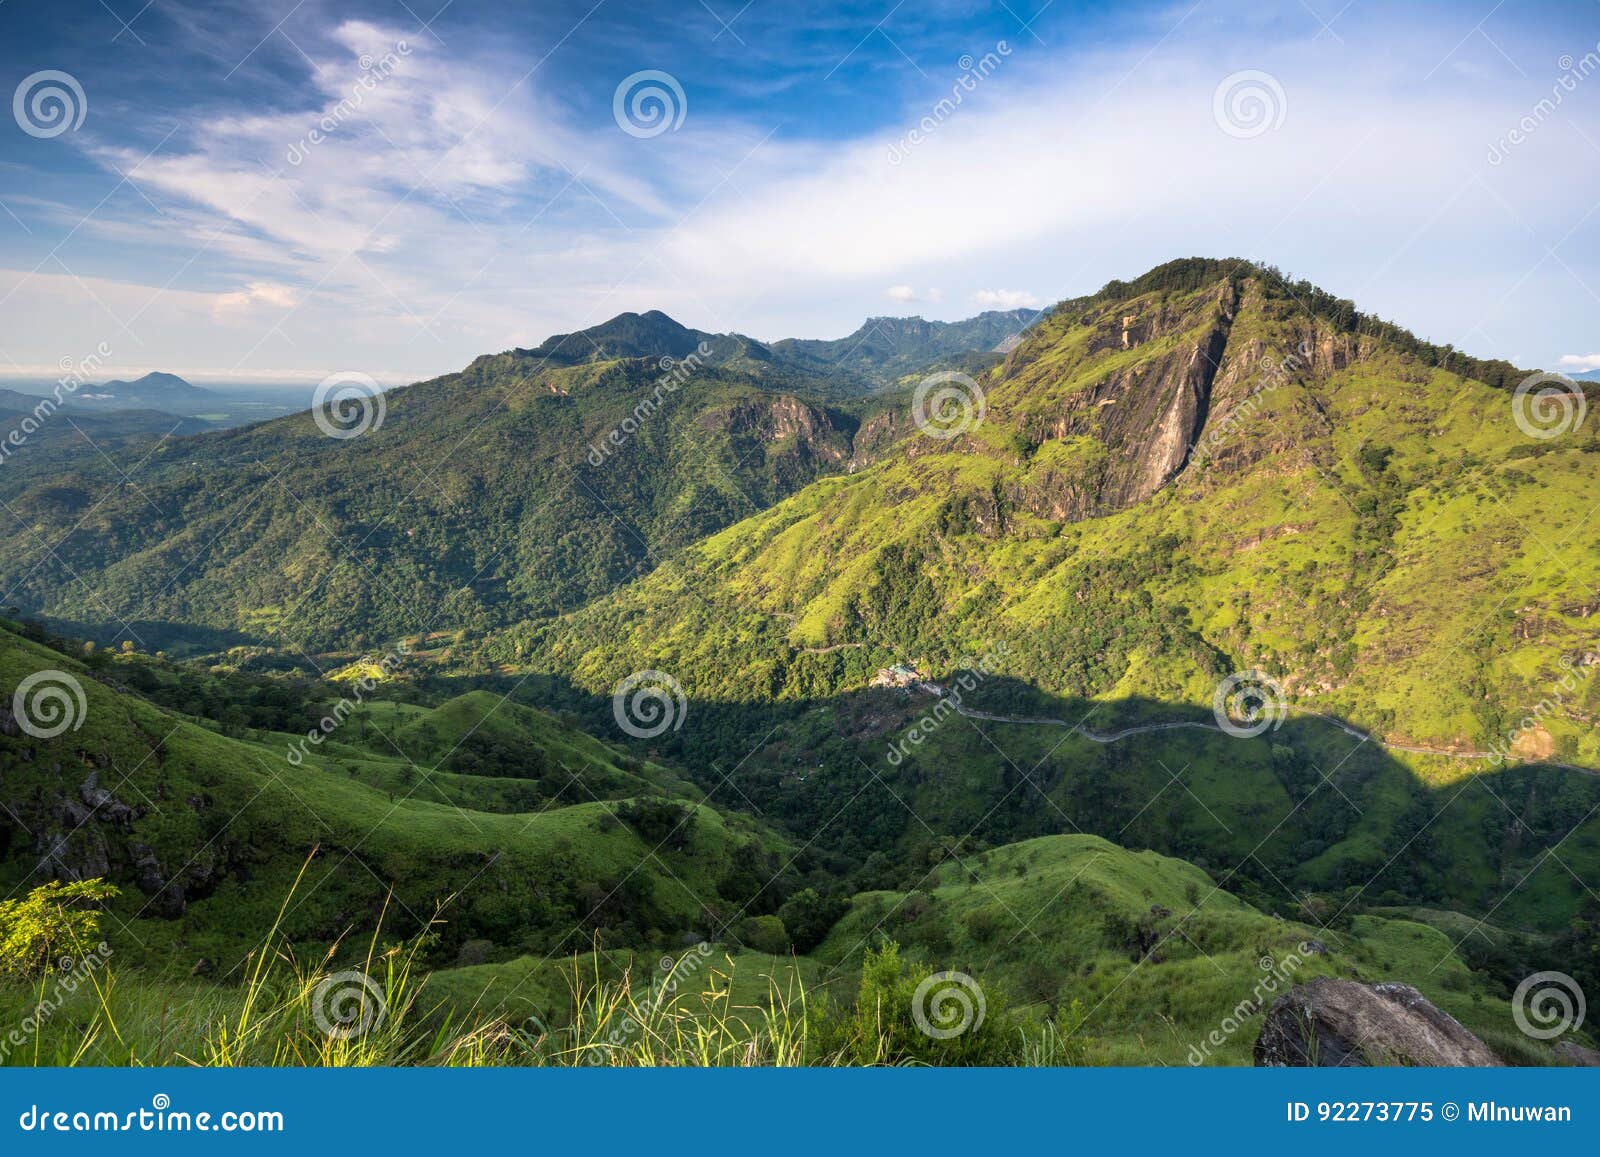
{"x": 515, "y": 830}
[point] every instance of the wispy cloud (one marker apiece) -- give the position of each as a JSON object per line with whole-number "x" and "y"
{"x": 1005, "y": 298}
{"x": 908, "y": 294}
{"x": 454, "y": 198}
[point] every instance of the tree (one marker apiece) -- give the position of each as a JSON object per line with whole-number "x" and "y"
{"x": 50, "y": 922}
{"x": 809, "y": 916}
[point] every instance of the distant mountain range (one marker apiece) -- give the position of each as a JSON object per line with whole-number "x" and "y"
{"x": 881, "y": 352}
{"x": 1208, "y": 481}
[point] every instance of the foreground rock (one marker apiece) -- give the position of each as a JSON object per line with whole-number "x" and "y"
{"x": 1568, "y": 1053}
{"x": 1334, "y": 1023}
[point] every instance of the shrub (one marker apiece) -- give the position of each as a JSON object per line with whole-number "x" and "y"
{"x": 53, "y": 920}
{"x": 765, "y": 934}
{"x": 809, "y": 917}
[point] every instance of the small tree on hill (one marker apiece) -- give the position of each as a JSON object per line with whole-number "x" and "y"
{"x": 50, "y": 922}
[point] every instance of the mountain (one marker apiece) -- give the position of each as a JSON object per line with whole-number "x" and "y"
{"x": 1186, "y": 475}
{"x": 879, "y": 354}
{"x": 628, "y": 335}
{"x": 886, "y": 349}
{"x": 529, "y": 483}
{"x": 521, "y": 486}
{"x": 154, "y": 391}
{"x": 1208, "y": 474}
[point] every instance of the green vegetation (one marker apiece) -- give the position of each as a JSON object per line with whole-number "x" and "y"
{"x": 52, "y": 920}
{"x": 380, "y": 722}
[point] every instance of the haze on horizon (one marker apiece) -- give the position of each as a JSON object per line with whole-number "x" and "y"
{"x": 270, "y": 193}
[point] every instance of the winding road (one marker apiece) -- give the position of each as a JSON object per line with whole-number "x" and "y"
{"x": 1144, "y": 729}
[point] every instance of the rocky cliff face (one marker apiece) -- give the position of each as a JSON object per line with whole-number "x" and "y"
{"x": 1108, "y": 404}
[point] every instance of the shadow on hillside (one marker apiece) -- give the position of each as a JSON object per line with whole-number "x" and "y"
{"x": 178, "y": 640}
{"x": 1310, "y": 805}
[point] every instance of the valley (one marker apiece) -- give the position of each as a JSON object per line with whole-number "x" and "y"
{"x": 1134, "y": 660}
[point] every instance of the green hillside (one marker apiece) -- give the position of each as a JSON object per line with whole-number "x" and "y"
{"x": 208, "y": 833}
{"x": 1152, "y": 502}
{"x": 950, "y": 670}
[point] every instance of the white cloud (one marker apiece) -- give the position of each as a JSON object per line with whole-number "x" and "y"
{"x": 267, "y": 293}
{"x": 442, "y": 216}
{"x": 1005, "y": 298}
{"x": 1580, "y": 362}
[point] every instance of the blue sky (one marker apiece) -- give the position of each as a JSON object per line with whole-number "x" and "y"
{"x": 281, "y": 190}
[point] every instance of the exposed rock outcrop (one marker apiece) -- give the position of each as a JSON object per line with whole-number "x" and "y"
{"x": 1342, "y": 1023}
{"x": 1571, "y": 1054}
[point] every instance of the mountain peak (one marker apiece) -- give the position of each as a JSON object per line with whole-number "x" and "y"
{"x": 651, "y": 334}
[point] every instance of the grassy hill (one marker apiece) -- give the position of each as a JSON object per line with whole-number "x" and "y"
{"x": 209, "y": 833}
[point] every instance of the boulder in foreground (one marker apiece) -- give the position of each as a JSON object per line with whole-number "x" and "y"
{"x": 1342, "y": 1023}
